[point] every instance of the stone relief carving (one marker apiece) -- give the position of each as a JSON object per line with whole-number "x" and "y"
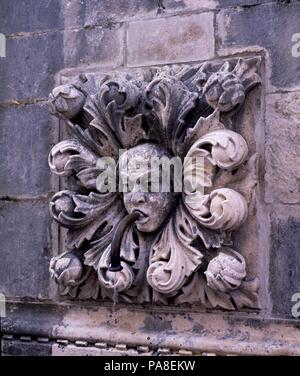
{"x": 159, "y": 247}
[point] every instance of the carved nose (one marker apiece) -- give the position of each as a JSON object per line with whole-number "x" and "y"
{"x": 138, "y": 198}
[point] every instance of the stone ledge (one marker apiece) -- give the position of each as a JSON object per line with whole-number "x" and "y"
{"x": 14, "y": 345}
{"x": 222, "y": 333}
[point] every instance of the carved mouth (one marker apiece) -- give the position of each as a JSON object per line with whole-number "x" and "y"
{"x": 143, "y": 216}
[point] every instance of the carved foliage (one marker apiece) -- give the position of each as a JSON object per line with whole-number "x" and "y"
{"x": 188, "y": 258}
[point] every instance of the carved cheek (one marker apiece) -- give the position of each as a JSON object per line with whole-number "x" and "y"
{"x": 127, "y": 200}
{"x": 153, "y": 199}
{"x": 161, "y": 205}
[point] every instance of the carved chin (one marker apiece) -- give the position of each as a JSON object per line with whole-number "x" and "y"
{"x": 147, "y": 225}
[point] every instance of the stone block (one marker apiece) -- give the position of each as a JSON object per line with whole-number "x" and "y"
{"x": 269, "y": 26}
{"x": 282, "y": 148}
{"x": 98, "y": 45}
{"x": 30, "y": 65}
{"x": 18, "y": 16}
{"x": 26, "y": 135}
{"x": 29, "y": 69}
{"x": 170, "y": 40}
{"x": 18, "y": 348}
{"x": 25, "y": 249}
{"x": 284, "y": 259}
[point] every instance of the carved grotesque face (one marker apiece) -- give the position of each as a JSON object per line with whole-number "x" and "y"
{"x": 136, "y": 166}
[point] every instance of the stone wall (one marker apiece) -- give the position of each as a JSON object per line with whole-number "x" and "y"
{"x": 45, "y": 39}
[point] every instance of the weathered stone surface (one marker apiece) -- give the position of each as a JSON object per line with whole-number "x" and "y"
{"x": 220, "y": 333}
{"x": 269, "y": 26}
{"x": 17, "y": 15}
{"x": 25, "y": 249}
{"x": 240, "y": 3}
{"x": 38, "y": 58}
{"x": 72, "y": 350}
{"x": 174, "y": 39}
{"x": 284, "y": 258}
{"x": 113, "y": 11}
{"x": 25, "y": 138}
{"x": 28, "y": 70}
{"x": 282, "y": 148}
{"x": 30, "y": 15}
{"x": 89, "y": 13}
{"x": 189, "y": 5}
{"x": 19, "y": 348}
{"x": 98, "y": 45}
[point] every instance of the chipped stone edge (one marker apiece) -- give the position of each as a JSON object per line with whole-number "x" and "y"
{"x": 117, "y": 349}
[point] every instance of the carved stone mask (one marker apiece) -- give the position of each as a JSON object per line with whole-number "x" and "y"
{"x": 135, "y": 166}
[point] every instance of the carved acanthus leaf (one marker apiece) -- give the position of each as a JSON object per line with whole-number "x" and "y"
{"x": 174, "y": 250}
{"x": 223, "y": 209}
{"x": 227, "y": 149}
{"x": 69, "y": 157}
{"x": 85, "y": 214}
{"x": 171, "y": 101}
{"x": 198, "y": 292}
{"x": 202, "y": 127}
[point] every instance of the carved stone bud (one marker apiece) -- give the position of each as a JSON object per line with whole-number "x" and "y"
{"x": 60, "y": 157}
{"x": 66, "y": 101}
{"x": 62, "y": 202}
{"x": 224, "y": 90}
{"x": 226, "y": 272}
{"x": 66, "y": 269}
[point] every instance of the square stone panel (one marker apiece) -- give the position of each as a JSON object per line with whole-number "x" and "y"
{"x": 128, "y": 107}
